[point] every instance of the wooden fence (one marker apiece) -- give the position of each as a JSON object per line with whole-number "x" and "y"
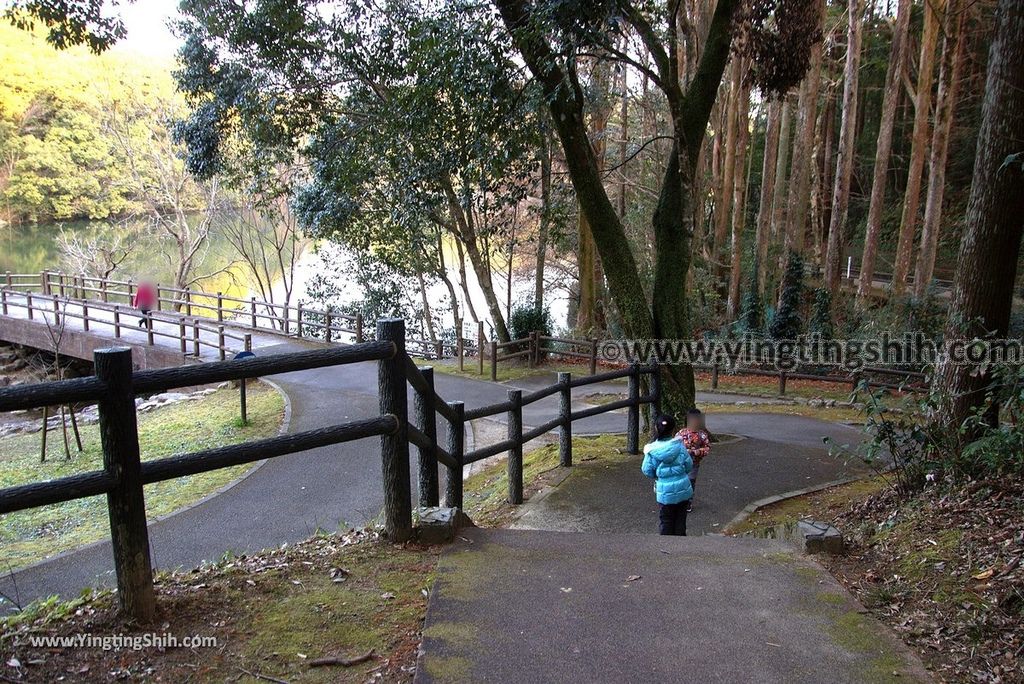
{"x": 115, "y": 386}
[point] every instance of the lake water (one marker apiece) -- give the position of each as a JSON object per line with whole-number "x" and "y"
{"x": 34, "y": 248}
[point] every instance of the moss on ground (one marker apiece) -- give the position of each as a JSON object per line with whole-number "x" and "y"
{"x": 272, "y": 613}
{"x": 32, "y": 535}
{"x": 486, "y": 492}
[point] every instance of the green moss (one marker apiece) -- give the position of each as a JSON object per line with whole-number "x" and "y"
{"x": 453, "y": 633}
{"x": 486, "y": 492}
{"x": 832, "y": 598}
{"x": 38, "y": 533}
{"x": 451, "y": 669}
{"x": 859, "y": 634}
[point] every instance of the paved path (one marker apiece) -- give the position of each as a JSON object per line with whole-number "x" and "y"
{"x": 517, "y": 606}
{"x": 288, "y": 498}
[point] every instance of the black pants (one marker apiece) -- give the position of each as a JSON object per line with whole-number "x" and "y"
{"x": 672, "y": 519}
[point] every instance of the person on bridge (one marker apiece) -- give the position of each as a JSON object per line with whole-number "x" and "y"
{"x": 669, "y": 464}
{"x": 145, "y": 300}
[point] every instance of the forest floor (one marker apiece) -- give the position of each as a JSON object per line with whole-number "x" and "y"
{"x": 203, "y": 422}
{"x": 334, "y": 608}
{"x": 942, "y": 569}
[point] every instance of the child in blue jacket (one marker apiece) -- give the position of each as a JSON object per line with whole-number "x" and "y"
{"x": 667, "y": 461}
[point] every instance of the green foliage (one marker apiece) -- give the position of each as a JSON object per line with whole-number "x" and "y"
{"x": 527, "y": 318}
{"x": 821, "y": 314}
{"x": 61, "y": 156}
{"x": 787, "y": 323}
{"x": 69, "y": 23}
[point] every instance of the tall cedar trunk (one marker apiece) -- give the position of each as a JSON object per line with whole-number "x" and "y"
{"x": 668, "y": 315}
{"x": 739, "y": 196}
{"x": 781, "y": 186}
{"x": 883, "y": 149}
{"x": 919, "y": 146}
{"x": 987, "y": 263}
{"x": 800, "y": 178}
{"x": 544, "y": 225}
{"x": 945, "y": 105}
{"x": 590, "y": 315}
{"x": 764, "y": 210}
{"x": 824, "y": 166}
{"x": 723, "y": 205}
{"x": 844, "y": 159}
{"x": 623, "y": 136}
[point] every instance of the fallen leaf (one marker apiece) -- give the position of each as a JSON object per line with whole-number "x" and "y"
{"x": 566, "y": 590}
{"x": 984, "y": 575}
{"x": 387, "y": 595}
{"x": 13, "y": 662}
{"x": 633, "y": 578}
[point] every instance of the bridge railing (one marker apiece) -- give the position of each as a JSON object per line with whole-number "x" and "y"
{"x": 124, "y": 474}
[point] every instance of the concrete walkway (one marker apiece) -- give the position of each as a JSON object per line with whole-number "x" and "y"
{"x": 517, "y": 606}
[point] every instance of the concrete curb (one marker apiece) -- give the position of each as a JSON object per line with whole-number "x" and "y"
{"x": 751, "y": 508}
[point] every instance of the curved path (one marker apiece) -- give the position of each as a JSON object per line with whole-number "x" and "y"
{"x": 290, "y": 497}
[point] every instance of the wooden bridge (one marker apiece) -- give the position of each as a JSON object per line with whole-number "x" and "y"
{"x": 78, "y": 314}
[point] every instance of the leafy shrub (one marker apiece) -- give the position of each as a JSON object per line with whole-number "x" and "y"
{"x": 787, "y": 323}
{"x": 526, "y": 318}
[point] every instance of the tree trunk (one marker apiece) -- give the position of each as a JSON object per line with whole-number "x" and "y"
{"x": 823, "y": 167}
{"x": 883, "y": 149}
{"x": 726, "y": 186}
{"x": 768, "y": 173}
{"x": 844, "y": 159}
{"x": 739, "y": 196}
{"x": 945, "y": 105}
{"x": 919, "y": 147}
{"x": 463, "y": 282}
{"x": 428, "y": 316}
{"x": 987, "y": 263}
{"x": 800, "y": 179}
{"x": 544, "y": 224}
{"x": 781, "y": 186}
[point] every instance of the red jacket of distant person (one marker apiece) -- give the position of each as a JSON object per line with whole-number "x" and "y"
{"x": 145, "y": 297}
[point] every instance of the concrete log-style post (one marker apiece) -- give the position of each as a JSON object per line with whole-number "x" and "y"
{"x": 593, "y": 356}
{"x": 494, "y": 361}
{"x": 125, "y": 502}
{"x": 188, "y": 302}
{"x": 3, "y": 299}
{"x": 565, "y": 415}
{"x": 480, "y": 347}
{"x": 220, "y": 306}
{"x": 182, "y": 336}
{"x": 252, "y": 311}
{"x": 158, "y": 298}
{"x": 515, "y": 454}
{"x": 394, "y": 447}
{"x": 221, "y": 345}
{"x": 117, "y": 322}
{"x": 149, "y": 329}
{"x": 714, "y": 375}
{"x": 85, "y": 316}
{"x": 28, "y": 305}
{"x": 782, "y": 383}
{"x": 196, "y": 351}
{"x": 426, "y": 421}
{"x": 633, "y": 415}
{"x": 456, "y": 443}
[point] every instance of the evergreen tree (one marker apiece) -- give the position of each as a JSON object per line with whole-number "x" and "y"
{"x": 787, "y": 323}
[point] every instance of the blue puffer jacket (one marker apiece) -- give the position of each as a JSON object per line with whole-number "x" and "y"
{"x": 668, "y": 462}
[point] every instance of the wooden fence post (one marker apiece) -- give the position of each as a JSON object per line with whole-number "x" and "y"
{"x": 220, "y": 342}
{"x": 220, "y": 306}
{"x": 329, "y": 325}
{"x": 149, "y": 329}
{"x": 9, "y": 280}
{"x": 515, "y": 454}
{"x": 494, "y": 360}
{"x": 28, "y": 304}
{"x": 714, "y": 375}
{"x": 426, "y": 420}
{"x": 593, "y": 356}
{"x": 103, "y": 291}
{"x": 188, "y": 303}
{"x": 158, "y": 302}
{"x": 565, "y": 415}
{"x": 56, "y": 312}
{"x": 480, "y": 346}
{"x": 252, "y": 311}
{"x": 42, "y": 281}
{"x": 3, "y": 298}
{"x": 534, "y": 353}
{"x": 298, "y": 320}
{"x": 633, "y": 416}
{"x": 460, "y": 347}
{"x": 438, "y": 349}
{"x": 117, "y": 322}
{"x": 196, "y": 351}
{"x": 456, "y": 436}
{"x": 62, "y": 278}
{"x": 85, "y": 316}
{"x": 242, "y": 403}
{"x": 782, "y": 383}
{"x": 359, "y": 329}
{"x": 394, "y": 447}
{"x": 284, "y": 318}
{"x": 125, "y": 502}
{"x": 183, "y": 336}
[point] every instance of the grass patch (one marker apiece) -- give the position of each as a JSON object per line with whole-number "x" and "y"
{"x": 512, "y": 371}
{"x": 767, "y": 386}
{"x": 35, "y": 534}
{"x": 822, "y": 505}
{"x": 271, "y": 614}
{"x": 835, "y": 414}
{"x": 486, "y": 492}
